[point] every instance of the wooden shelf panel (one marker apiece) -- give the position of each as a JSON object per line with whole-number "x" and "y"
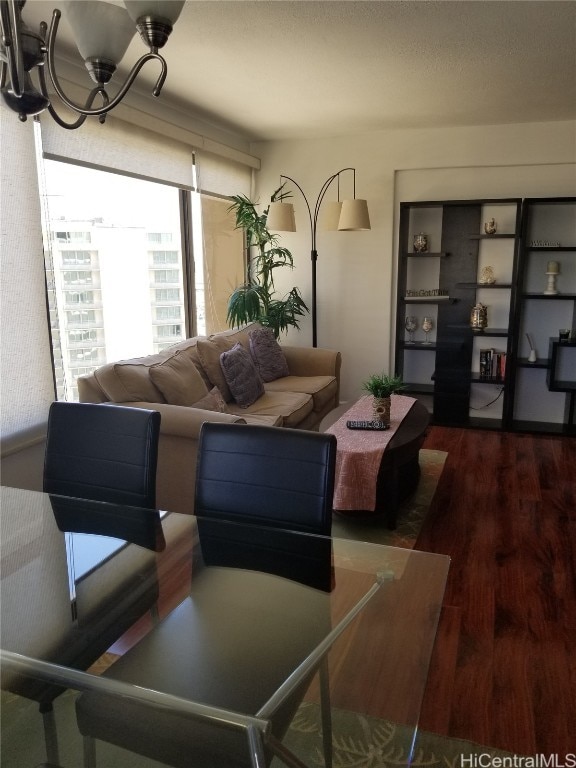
{"x": 477, "y": 379}
{"x": 425, "y": 254}
{"x": 479, "y": 423}
{"x": 541, "y": 362}
{"x": 550, "y": 248}
{"x": 480, "y": 334}
{"x": 563, "y": 386}
{"x": 486, "y": 285}
{"x": 418, "y": 346}
{"x": 495, "y": 236}
{"x": 550, "y": 297}
{"x": 427, "y": 299}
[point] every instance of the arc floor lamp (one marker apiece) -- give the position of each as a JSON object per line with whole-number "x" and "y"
{"x": 346, "y": 215}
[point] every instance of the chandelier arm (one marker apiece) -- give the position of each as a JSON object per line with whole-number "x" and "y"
{"x": 11, "y": 42}
{"x": 90, "y": 100}
{"x": 109, "y": 105}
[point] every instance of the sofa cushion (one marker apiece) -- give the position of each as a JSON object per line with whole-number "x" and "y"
{"x": 179, "y": 380}
{"x": 322, "y": 388}
{"x": 293, "y": 407}
{"x": 213, "y": 401}
{"x": 129, "y": 381}
{"x": 188, "y": 347}
{"x": 241, "y": 375}
{"x": 267, "y": 354}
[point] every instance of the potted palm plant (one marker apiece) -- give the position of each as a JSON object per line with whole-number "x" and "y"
{"x": 381, "y": 386}
{"x": 256, "y": 298}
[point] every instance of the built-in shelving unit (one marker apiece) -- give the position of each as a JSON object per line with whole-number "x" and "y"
{"x": 534, "y": 246}
{"x": 446, "y": 372}
{"x": 544, "y": 391}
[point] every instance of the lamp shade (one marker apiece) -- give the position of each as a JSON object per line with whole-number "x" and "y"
{"x": 331, "y": 215}
{"x": 354, "y": 215}
{"x": 281, "y": 217}
{"x": 101, "y": 30}
{"x": 160, "y": 9}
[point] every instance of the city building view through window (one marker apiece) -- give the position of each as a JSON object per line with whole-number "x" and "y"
{"x": 114, "y": 268}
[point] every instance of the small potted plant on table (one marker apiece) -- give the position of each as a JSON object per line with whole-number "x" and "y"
{"x": 381, "y": 387}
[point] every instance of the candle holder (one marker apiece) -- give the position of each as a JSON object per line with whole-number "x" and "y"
{"x": 552, "y": 270}
{"x": 551, "y": 287}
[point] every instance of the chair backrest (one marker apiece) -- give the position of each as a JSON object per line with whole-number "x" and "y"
{"x": 102, "y": 452}
{"x": 266, "y": 475}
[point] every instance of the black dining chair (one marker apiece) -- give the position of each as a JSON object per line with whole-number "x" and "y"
{"x": 102, "y": 453}
{"x": 266, "y": 475}
{"x": 249, "y": 479}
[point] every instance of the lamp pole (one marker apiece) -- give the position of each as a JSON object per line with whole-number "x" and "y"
{"x": 313, "y": 217}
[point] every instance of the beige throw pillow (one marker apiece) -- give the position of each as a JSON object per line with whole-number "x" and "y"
{"x": 213, "y": 401}
{"x": 209, "y": 351}
{"x": 179, "y": 380}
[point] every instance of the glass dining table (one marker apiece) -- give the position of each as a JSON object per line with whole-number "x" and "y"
{"x": 138, "y": 638}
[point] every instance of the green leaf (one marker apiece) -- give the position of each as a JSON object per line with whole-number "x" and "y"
{"x": 257, "y": 299}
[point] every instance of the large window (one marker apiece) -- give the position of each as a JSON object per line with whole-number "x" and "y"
{"x": 109, "y": 302}
{"x": 133, "y": 253}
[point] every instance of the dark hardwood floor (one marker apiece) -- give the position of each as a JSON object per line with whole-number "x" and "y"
{"x": 503, "y": 671}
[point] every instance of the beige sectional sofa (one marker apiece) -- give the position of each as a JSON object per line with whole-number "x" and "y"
{"x": 189, "y": 383}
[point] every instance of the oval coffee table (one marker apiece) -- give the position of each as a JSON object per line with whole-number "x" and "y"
{"x": 399, "y": 470}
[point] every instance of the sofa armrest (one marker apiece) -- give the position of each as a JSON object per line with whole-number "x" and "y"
{"x": 182, "y": 421}
{"x": 313, "y": 361}
{"x": 89, "y": 391}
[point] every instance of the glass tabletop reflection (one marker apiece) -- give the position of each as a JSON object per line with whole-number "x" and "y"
{"x": 133, "y": 611}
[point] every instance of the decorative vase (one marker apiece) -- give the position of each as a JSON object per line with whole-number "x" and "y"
{"x": 381, "y": 410}
{"x": 420, "y": 243}
{"x": 479, "y": 317}
{"x": 487, "y": 276}
{"x": 427, "y": 325}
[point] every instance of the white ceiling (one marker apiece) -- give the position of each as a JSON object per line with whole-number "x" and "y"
{"x": 273, "y": 69}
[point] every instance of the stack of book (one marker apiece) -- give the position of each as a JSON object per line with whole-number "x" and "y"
{"x": 492, "y": 364}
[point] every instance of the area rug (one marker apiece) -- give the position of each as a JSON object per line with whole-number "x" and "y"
{"x": 358, "y": 741}
{"x": 411, "y": 514}
{"x": 366, "y": 742}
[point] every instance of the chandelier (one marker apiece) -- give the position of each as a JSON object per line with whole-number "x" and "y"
{"x": 102, "y": 32}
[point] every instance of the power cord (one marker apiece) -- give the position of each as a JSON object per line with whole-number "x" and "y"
{"x": 486, "y": 405}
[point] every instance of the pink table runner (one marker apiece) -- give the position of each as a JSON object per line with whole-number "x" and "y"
{"x": 360, "y": 453}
